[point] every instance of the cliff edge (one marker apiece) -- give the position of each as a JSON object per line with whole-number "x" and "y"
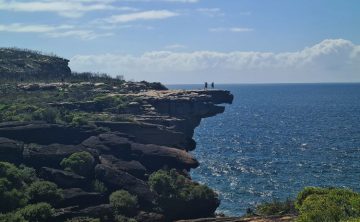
{"x": 109, "y": 149}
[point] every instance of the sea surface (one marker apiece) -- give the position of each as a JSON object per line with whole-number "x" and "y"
{"x": 276, "y": 139}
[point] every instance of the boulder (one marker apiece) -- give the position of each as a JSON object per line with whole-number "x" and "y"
{"x": 151, "y": 134}
{"x": 132, "y": 167}
{"x": 176, "y": 209}
{"x": 155, "y": 157}
{"x": 102, "y": 211}
{"x": 45, "y": 133}
{"x": 149, "y": 217}
{"x": 48, "y": 155}
{"x": 10, "y": 150}
{"x": 63, "y": 178}
{"x": 99, "y": 211}
{"x": 80, "y": 198}
{"x": 108, "y": 144}
{"x": 116, "y": 179}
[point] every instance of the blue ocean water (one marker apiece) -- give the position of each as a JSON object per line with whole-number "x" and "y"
{"x": 276, "y": 139}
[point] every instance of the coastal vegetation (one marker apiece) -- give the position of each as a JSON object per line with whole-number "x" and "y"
{"x": 176, "y": 192}
{"x": 123, "y": 202}
{"x": 81, "y": 163}
{"x": 315, "y": 204}
{"x": 23, "y": 197}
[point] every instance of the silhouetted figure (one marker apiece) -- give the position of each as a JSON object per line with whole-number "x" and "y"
{"x": 206, "y": 86}
{"x": 212, "y": 85}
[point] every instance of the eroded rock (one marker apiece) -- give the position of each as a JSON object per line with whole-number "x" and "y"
{"x": 64, "y": 179}
{"x": 48, "y": 155}
{"x": 10, "y": 150}
{"x": 116, "y": 179}
{"x": 155, "y": 157}
{"x": 80, "y": 198}
{"x": 132, "y": 167}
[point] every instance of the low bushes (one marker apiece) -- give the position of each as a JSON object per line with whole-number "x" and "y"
{"x": 179, "y": 197}
{"x": 81, "y": 163}
{"x": 111, "y": 103}
{"x": 19, "y": 186}
{"x": 170, "y": 184}
{"x": 123, "y": 202}
{"x": 276, "y": 207}
{"x": 44, "y": 191}
{"x": 41, "y": 212}
{"x": 12, "y": 186}
{"x": 99, "y": 186}
{"x": 28, "y": 112}
{"x": 37, "y": 212}
{"x": 328, "y": 204}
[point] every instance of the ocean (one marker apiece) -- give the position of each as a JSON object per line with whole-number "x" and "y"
{"x": 276, "y": 139}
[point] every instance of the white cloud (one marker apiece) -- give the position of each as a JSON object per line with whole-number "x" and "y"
{"x": 53, "y": 31}
{"x": 329, "y": 61}
{"x": 175, "y": 46}
{"x": 82, "y": 34}
{"x": 212, "y": 12}
{"x": 232, "y": 29}
{"x": 18, "y": 27}
{"x": 66, "y": 8}
{"x": 145, "y": 15}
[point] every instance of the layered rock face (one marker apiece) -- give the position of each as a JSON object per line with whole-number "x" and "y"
{"x": 126, "y": 152}
{"x": 26, "y": 64}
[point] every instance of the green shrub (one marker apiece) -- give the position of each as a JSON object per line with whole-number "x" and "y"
{"x": 10, "y": 198}
{"x": 110, "y": 103}
{"x": 48, "y": 114}
{"x": 276, "y": 208}
{"x": 79, "y": 120}
{"x": 11, "y": 173}
{"x": 123, "y": 202}
{"x": 37, "y": 212}
{"x": 99, "y": 186}
{"x": 163, "y": 183}
{"x": 28, "y": 174}
{"x": 44, "y": 191}
{"x": 180, "y": 198}
{"x": 81, "y": 163}
{"x": 12, "y": 217}
{"x": 327, "y": 204}
{"x": 11, "y": 187}
{"x": 170, "y": 184}
{"x": 307, "y": 191}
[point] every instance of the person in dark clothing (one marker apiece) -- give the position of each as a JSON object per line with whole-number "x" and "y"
{"x": 206, "y": 86}
{"x": 212, "y": 85}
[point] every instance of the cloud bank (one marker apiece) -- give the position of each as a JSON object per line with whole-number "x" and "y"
{"x": 332, "y": 60}
{"x": 53, "y": 31}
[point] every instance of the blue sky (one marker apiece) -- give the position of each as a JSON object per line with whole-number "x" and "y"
{"x": 191, "y": 41}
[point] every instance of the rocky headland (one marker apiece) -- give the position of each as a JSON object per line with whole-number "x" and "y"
{"x": 87, "y": 147}
{"x": 91, "y": 139}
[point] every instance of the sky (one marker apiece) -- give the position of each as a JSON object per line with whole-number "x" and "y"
{"x": 193, "y": 41}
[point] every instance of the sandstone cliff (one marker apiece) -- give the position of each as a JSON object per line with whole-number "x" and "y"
{"x": 135, "y": 133}
{"x": 26, "y": 64}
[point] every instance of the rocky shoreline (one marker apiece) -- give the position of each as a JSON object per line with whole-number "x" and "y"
{"x": 125, "y": 153}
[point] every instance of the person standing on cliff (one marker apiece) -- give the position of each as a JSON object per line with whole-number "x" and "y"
{"x": 212, "y": 85}
{"x": 206, "y": 85}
